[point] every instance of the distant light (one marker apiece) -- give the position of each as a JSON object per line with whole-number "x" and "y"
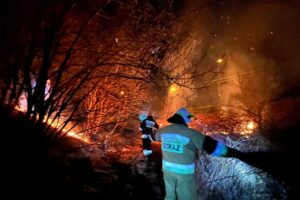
{"x": 122, "y": 93}
{"x": 173, "y": 89}
{"x": 220, "y": 60}
{"x": 272, "y": 33}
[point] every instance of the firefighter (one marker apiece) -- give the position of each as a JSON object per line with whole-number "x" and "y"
{"x": 147, "y": 127}
{"x": 180, "y": 145}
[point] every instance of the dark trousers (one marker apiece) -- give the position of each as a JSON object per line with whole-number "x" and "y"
{"x": 147, "y": 151}
{"x": 146, "y": 144}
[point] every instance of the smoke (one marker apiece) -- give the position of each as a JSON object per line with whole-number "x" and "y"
{"x": 257, "y": 41}
{"x": 259, "y": 44}
{"x": 265, "y": 36}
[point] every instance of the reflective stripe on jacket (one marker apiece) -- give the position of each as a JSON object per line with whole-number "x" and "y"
{"x": 178, "y": 168}
{"x": 180, "y": 144}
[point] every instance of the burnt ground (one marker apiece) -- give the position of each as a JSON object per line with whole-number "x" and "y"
{"x": 31, "y": 168}
{"x": 77, "y": 177}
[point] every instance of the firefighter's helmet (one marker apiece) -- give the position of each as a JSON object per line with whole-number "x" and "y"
{"x": 185, "y": 114}
{"x": 143, "y": 116}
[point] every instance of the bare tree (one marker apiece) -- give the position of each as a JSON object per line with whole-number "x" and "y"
{"x": 74, "y": 50}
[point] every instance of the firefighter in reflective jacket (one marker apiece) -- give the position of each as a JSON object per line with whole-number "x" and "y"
{"x": 180, "y": 145}
{"x": 147, "y": 127}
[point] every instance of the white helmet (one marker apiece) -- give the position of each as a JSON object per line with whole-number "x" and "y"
{"x": 143, "y": 116}
{"x": 185, "y": 114}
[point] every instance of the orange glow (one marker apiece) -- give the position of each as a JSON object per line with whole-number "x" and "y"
{"x": 76, "y": 135}
{"x": 22, "y": 107}
{"x": 250, "y": 125}
{"x": 248, "y": 128}
{"x": 173, "y": 88}
{"x": 218, "y": 125}
{"x": 220, "y": 60}
{"x": 59, "y": 123}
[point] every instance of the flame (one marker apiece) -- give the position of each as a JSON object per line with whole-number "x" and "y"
{"x": 213, "y": 125}
{"x": 22, "y": 107}
{"x": 59, "y": 123}
{"x": 78, "y": 136}
{"x": 248, "y": 127}
{"x": 56, "y": 124}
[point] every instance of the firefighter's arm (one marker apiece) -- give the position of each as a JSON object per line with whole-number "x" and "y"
{"x": 157, "y": 136}
{"x": 262, "y": 160}
{"x": 216, "y": 148}
{"x": 156, "y": 125}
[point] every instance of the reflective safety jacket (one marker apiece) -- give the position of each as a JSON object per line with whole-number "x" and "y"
{"x": 147, "y": 127}
{"x": 180, "y": 145}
